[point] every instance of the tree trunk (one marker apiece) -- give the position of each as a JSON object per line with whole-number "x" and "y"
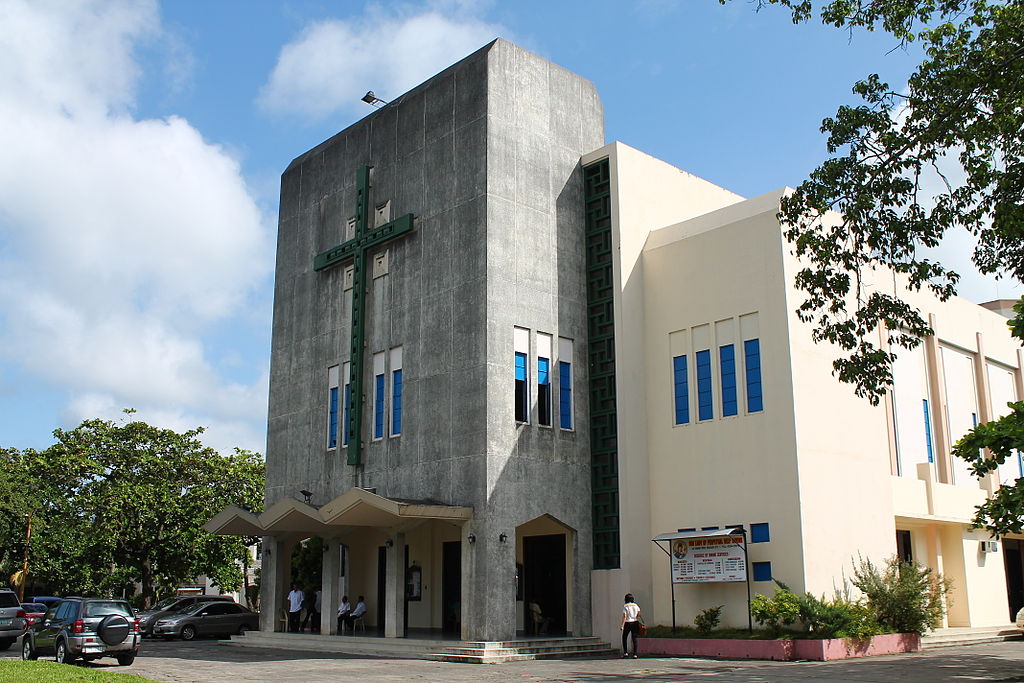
{"x": 146, "y": 576}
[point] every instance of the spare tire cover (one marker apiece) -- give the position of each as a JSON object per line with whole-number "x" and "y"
{"x": 113, "y": 629}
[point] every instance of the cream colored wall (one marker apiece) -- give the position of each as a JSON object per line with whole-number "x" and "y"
{"x": 728, "y": 470}
{"x": 646, "y": 194}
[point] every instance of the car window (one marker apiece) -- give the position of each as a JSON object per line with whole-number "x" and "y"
{"x": 102, "y": 609}
{"x": 34, "y": 607}
{"x": 166, "y": 603}
{"x": 232, "y": 608}
{"x": 65, "y": 610}
{"x": 9, "y": 600}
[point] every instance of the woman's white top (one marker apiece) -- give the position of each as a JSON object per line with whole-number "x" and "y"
{"x": 631, "y": 610}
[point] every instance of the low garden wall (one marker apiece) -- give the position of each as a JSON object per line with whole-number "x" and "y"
{"x": 781, "y": 650}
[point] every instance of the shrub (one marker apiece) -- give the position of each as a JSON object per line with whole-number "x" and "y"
{"x": 707, "y": 620}
{"x": 839, "y": 617}
{"x": 904, "y": 596}
{"x": 781, "y": 610}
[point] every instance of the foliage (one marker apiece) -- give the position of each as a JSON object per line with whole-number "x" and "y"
{"x": 904, "y": 596}
{"x": 776, "y": 612}
{"x": 52, "y": 672}
{"x": 708, "y": 619}
{"x": 866, "y": 211}
{"x": 119, "y": 504}
{"x": 839, "y": 617}
{"x": 307, "y": 563}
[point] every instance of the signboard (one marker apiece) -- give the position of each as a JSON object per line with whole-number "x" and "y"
{"x": 708, "y": 560}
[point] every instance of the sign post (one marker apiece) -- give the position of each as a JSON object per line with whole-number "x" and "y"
{"x": 715, "y": 556}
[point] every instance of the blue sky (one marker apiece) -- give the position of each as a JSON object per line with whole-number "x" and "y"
{"x": 143, "y": 144}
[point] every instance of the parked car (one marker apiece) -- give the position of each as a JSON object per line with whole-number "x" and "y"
{"x": 89, "y": 628}
{"x": 34, "y": 612}
{"x": 207, "y": 619}
{"x": 173, "y": 605}
{"x": 48, "y": 600}
{"x": 12, "y": 618}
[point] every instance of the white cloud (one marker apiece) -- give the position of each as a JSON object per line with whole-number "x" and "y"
{"x": 126, "y": 242}
{"x": 335, "y": 62}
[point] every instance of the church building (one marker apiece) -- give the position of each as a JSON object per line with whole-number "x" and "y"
{"x": 506, "y": 356}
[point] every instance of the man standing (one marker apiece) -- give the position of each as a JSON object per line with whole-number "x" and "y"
{"x": 318, "y": 601}
{"x": 295, "y": 599}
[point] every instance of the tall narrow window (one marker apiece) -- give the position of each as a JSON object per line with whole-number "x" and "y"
{"x": 564, "y": 383}
{"x": 727, "y": 366}
{"x": 681, "y": 381}
{"x": 522, "y": 393}
{"x": 346, "y": 373}
{"x": 928, "y": 431}
{"x": 378, "y": 395}
{"x": 332, "y": 407}
{"x": 396, "y": 391}
{"x": 705, "y": 402}
{"x": 521, "y": 346}
{"x": 544, "y": 379}
{"x": 752, "y": 358}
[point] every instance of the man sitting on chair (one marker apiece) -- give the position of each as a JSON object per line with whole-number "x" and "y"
{"x": 344, "y": 609}
{"x": 357, "y": 613}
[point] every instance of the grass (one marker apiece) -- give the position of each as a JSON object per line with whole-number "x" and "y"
{"x": 52, "y": 672}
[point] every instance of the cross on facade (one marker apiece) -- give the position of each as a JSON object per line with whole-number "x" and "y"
{"x": 355, "y": 249}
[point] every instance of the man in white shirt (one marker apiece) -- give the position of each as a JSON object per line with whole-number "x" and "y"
{"x": 344, "y": 609}
{"x": 295, "y": 599}
{"x": 359, "y": 611}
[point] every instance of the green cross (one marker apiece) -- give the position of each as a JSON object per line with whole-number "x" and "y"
{"x": 355, "y": 249}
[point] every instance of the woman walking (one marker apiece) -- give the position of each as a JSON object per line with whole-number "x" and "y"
{"x": 631, "y": 621}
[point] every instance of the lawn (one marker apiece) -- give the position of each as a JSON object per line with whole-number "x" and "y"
{"x": 47, "y": 672}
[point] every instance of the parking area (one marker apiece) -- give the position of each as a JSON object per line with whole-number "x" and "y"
{"x": 210, "y": 661}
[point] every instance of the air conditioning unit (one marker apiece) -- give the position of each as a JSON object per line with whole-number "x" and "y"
{"x": 989, "y": 546}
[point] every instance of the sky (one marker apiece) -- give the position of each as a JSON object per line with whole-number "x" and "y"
{"x": 142, "y": 143}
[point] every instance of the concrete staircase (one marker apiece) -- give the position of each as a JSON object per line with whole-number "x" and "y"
{"x": 948, "y": 637}
{"x": 438, "y": 650}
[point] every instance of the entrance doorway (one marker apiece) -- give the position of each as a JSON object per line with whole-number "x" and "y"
{"x": 544, "y": 582}
{"x": 382, "y": 586}
{"x": 1013, "y": 556}
{"x": 451, "y": 587}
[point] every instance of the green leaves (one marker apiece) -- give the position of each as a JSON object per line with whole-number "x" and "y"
{"x": 909, "y": 166}
{"x": 120, "y": 503}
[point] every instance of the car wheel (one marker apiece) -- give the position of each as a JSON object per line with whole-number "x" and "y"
{"x": 28, "y": 653}
{"x": 63, "y": 655}
{"x": 188, "y": 632}
{"x": 126, "y": 660}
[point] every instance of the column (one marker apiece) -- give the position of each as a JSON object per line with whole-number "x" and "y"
{"x": 330, "y": 585}
{"x": 394, "y": 608}
{"x": 275, "y": 574}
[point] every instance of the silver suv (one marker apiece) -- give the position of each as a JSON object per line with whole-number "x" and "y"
{"x": 89, "y": 628}
{"x": 12, "y": 618}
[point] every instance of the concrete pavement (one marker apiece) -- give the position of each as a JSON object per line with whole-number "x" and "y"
{"x": 207, "y": 661}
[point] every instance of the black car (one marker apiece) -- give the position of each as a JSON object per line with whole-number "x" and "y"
{"x": 89, "y": 628}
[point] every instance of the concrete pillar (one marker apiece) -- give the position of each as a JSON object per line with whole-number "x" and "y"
{"x": 275, "y": 574}
{"x": 330, "y": 587}
{"x": 937, "y": 390}
{"x": 394, "y": 608}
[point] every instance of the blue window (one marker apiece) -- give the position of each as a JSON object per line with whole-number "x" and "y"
{"x": 544, "y": 391}
{"x": 928, "y": 431}
{"x": 522, "y": 391}
{"x": 682, "y": 531}
{"x": 682, "y": 390}
{"x": 378, "y": 407}
{"x": 709, "y": 528}
{"x": 762, "y": 571}
{"x": 332, "y": 419}
{"x": 705, "y": 403}
{"x": 752, "y": 356}
{"x": 727, "y": 366}
{"x": 564, "y": 394}
{"x": 348, "y": 406}
{"x": 759, "y": 533}
{"x": 396, "y": 403}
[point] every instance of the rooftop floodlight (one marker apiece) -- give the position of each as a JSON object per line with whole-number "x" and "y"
{"x": 372, "y": 99}
{"x": 308, "y": 495}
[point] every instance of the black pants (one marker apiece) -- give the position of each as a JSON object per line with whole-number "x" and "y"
{"x": 627, "y": 628}
{"x": 293, "y": 621}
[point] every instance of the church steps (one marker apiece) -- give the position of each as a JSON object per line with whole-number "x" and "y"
{"x": 949, "y": 637}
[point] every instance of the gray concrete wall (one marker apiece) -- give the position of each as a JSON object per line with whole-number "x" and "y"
{"x": 486, "y": 155}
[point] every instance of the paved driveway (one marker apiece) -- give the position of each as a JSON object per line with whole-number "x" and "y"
{"x": 208, "y": 661}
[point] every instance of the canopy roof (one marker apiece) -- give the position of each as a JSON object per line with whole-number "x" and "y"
{"x": 354, "y": 508}
{"x": 711, "y": 533}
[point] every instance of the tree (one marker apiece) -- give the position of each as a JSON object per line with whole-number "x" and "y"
{"x": 127, "y": 505}
{"x": 959, "y": 121}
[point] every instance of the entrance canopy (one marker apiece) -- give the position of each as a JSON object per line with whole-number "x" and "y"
{"x": 711, "y": 533}
{"x": 354, "y": 508}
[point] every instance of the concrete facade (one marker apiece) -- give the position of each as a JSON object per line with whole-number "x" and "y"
{"x": 486, "y": 156}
